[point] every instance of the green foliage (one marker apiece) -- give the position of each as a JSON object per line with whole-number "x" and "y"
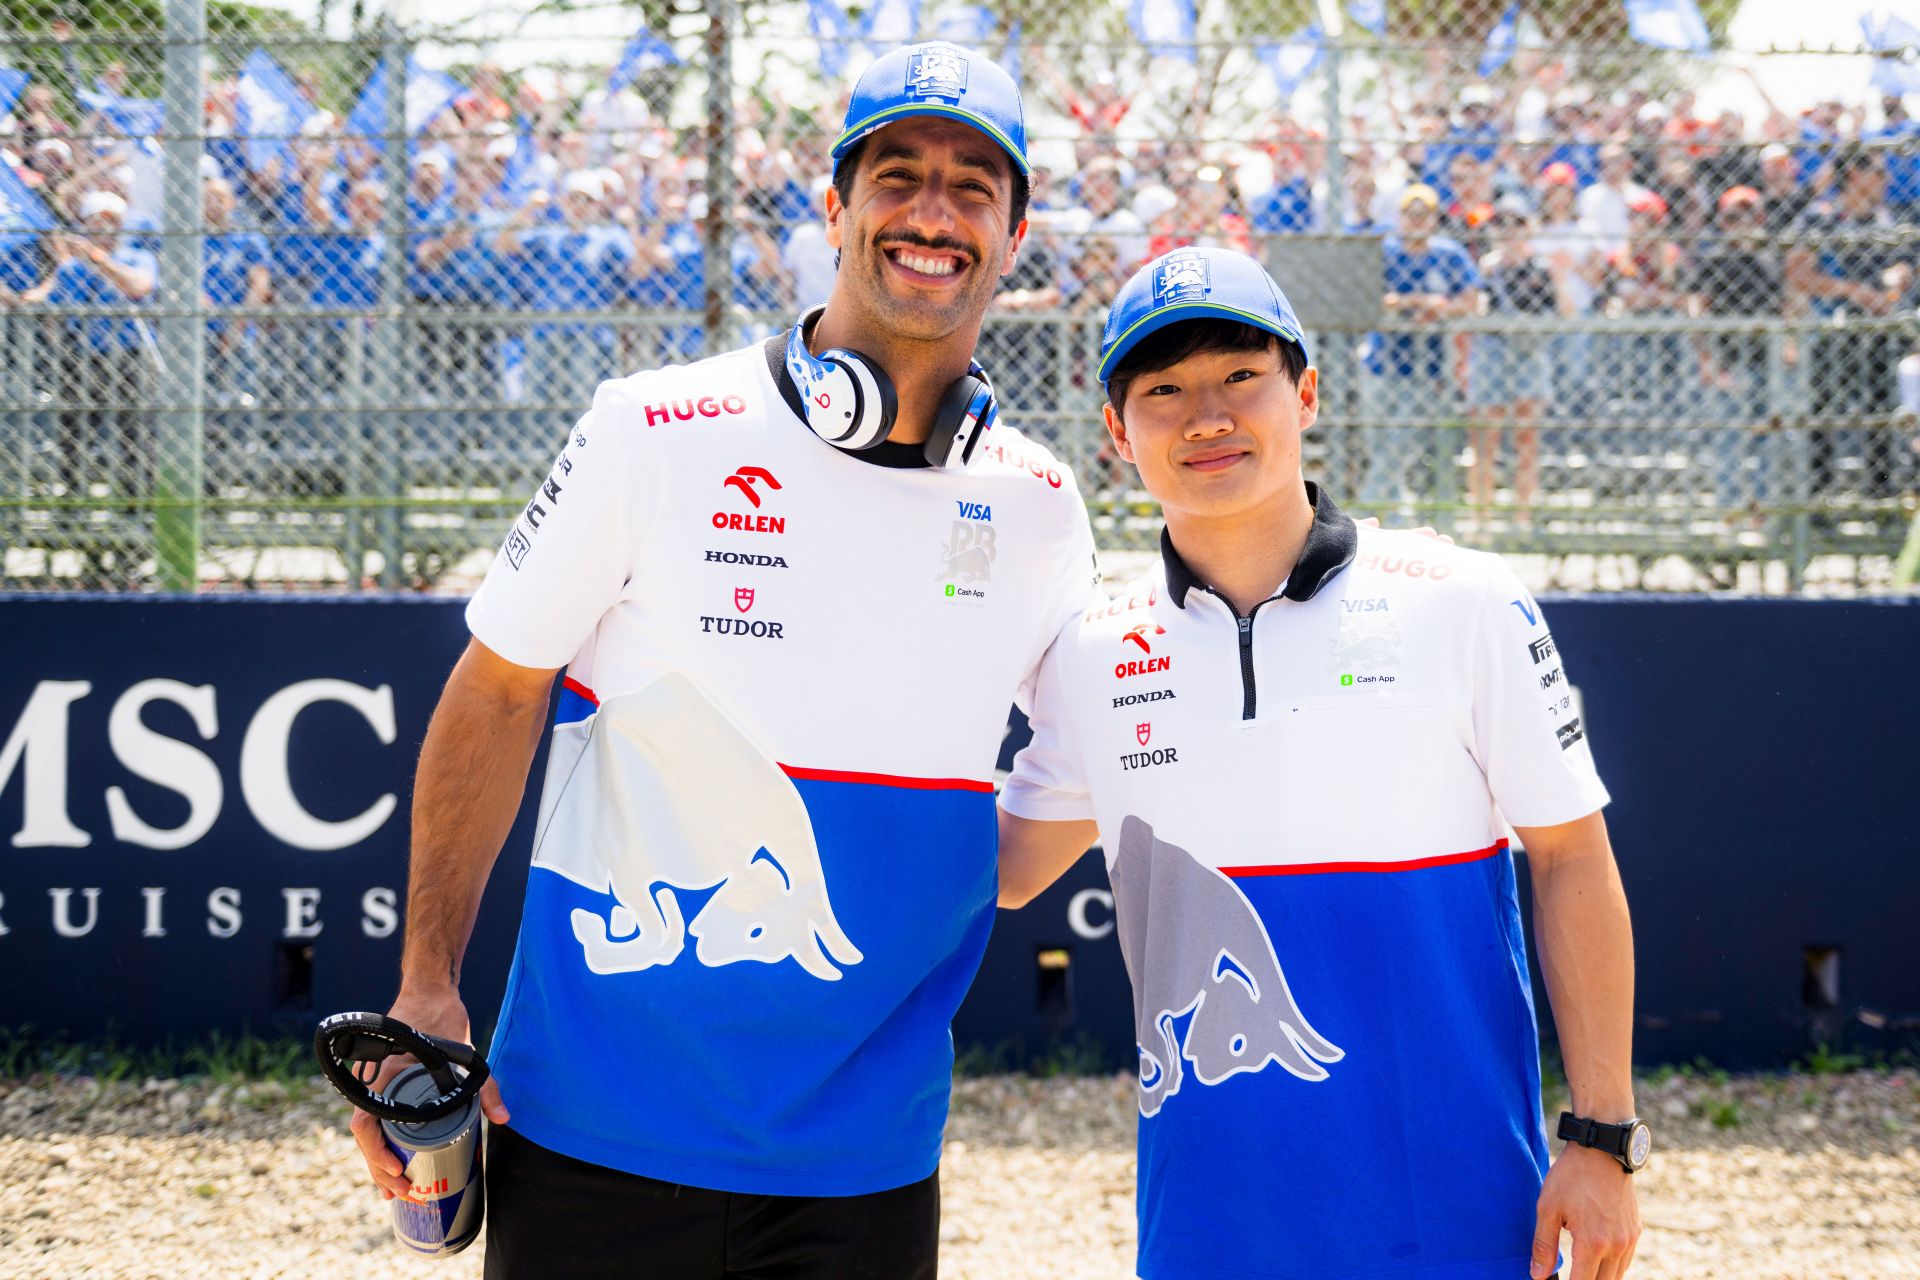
{"x": 1824, "y": 1060}
{"x": 25, "y": 1052}
{"x": 1080, "y": 1056}
{"x": 1725, "y": 1113}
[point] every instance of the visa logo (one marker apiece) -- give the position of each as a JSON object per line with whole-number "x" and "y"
{"x": 974, "y": 511}
{"x": 1377, "y": 605}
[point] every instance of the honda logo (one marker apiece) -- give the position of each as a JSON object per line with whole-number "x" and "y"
{"x": 744, "y": 479}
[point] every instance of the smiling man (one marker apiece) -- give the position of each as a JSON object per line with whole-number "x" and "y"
{"x": 1301, "y": 744}
{"x": 793, "y": 589}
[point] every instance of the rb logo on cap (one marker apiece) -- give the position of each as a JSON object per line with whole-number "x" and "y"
{"x": 937, "y": 73}
{"x": 1182, "y": 277}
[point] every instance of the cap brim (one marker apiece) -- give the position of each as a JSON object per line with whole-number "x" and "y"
{"x": 907, "y": 110}
{"x": 1160, "y": 318}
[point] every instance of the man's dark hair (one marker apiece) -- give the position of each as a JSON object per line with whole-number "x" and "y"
{"x": 849, "y": 163}
{"x": 1167, "y": 347}
{"x": 1851, "y": 160}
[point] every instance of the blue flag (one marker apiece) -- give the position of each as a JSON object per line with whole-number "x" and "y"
{"x": 141, "y": 118}
{"x": 645, "y": 52}
{"x": 12, "y": 82}
{"x": 428, "y": 94}
{"x": 968, "y": 27}
{"x": 1896, "y": 69}
{"x": 271, "y": 110}
{"x": 1164, "y": 27}
{"x": 20, "y": 208}
{"x": 891, "y": 23}
{"x": 1371, "y": 14}
{"x": 1292, "y": 60}
{"x": 1668, "y": 24}
{"x": 830, "y": 28}
{"x": 1010, "y": 58}
{"x": 1500, "y": 41}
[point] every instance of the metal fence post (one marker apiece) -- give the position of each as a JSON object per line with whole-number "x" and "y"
{"x": 718, "y": 232}
{"x": 382, "y": 433}
{"x": 181, "y": 353}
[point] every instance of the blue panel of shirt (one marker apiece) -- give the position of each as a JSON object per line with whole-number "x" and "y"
{"x": 1444, "y": 268}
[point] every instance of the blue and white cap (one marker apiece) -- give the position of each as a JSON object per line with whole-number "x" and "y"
{"x": 938, "y": 79}
{"x": 1191, "y": 284}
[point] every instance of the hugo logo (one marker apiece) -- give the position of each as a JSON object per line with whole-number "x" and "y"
{"x": 744, "y": 479}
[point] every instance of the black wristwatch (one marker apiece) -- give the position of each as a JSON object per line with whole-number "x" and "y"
{"x": 1630, "y": 1142}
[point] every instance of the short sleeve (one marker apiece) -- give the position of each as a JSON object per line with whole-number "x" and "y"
{"x": 1529, "y": 728}
{"x": 1075, "y": 589}
{"x": 566, "y": 558}
{"x": 1048, "y": 782}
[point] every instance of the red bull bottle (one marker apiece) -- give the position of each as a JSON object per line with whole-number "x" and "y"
{"x": 429, "y": 1117}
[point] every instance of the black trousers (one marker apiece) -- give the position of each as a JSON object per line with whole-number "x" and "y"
{"x": 552, "y": 1217}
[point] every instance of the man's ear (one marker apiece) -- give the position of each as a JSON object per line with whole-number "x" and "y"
{"x": 835, "y": 210}
{"x": 1013, "y": 248}
{"x": 1117, "y": 428}
{"x": 1309, "y": 391}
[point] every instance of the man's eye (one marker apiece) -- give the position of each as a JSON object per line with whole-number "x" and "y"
{"x": 1241, "y": 375}
{"x": 1163, "y": 389}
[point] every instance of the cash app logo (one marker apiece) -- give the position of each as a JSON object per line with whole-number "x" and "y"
{"x": 1345, "y": 681}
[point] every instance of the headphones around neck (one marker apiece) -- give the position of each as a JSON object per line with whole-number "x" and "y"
{"x": 849, "y": 401}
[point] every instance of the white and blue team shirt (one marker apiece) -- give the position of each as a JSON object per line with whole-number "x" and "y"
{"x": 764, "y": 870}
{"x": 1304, "y": 814}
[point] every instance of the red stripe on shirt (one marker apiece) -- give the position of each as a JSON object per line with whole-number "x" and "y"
{"x": 887, "y": 780}
{"x": 1328, "y": 868}
{"x": 574, "y": 686}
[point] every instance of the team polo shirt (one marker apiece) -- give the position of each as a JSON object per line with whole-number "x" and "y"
{"x": 765, "y": 866}
{"x": 1303, "y": 816}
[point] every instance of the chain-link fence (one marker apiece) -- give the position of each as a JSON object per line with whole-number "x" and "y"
{"x": 1579, "y": 287}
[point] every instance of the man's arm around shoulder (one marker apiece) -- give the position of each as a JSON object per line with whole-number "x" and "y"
{"x": 466, "y": 792}
{"x": 1585, "y": 941}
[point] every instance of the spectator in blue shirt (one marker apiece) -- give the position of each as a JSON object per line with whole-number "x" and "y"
{"x": 1900, "y": 136}
{"x": 1429, "y": 279}
{"x": 109, "y": 360}
{"x": 454, "y": 268}
{"x": 580, "y": 263}
{"x": 234, "y": 273}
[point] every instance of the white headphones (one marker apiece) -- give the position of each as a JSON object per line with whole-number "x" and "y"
{"x": 849, "y": 401}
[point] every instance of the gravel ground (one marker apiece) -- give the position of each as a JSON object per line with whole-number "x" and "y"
{"x": 1760, "y": 1178}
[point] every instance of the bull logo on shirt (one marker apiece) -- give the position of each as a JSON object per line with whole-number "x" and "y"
{"x": 968, "y": 555}
{"x": 1218, "y": 965}
{"x": 666, "y": 799}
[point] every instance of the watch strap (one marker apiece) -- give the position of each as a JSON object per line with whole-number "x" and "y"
{"x": 1587, "y": 1132}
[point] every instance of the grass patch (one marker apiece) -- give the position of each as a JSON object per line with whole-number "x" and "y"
{"x": 25, "y": 1052}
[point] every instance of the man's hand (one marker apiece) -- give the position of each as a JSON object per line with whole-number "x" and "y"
{"x": 1589, "y": 1195}
{"x": 440, "y": 1015}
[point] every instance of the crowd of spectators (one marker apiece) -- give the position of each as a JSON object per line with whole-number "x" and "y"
{"x": 551, "y": 241}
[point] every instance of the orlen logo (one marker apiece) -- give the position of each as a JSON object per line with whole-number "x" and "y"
{"x": 1138, "y": 635}
{"x": 687, "y": 410}
{"x": 744, "y": 480}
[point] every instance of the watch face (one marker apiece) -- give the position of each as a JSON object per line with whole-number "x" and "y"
{"x": 1639, "y": 1145}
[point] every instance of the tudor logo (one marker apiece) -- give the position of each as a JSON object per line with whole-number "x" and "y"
{"x": 743, "y": 598}
{"x": 1139, "y": 635}
{"x": 1143, "y": 731}
{"x": 744, "y": 479}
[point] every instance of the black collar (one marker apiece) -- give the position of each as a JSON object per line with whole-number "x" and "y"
{"x": 1331, "y": 542}
{"x": 888, "y": 453}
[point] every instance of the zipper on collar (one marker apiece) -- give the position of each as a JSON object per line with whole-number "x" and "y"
{"x": 1248, "y": 699}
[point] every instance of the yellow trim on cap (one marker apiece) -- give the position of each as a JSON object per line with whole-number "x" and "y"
{"x": 985, "y": 126}
{"x": 1218, "y": 308}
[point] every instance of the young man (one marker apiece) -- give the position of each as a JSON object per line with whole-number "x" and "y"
{"x": 1300, "y": 744}
{"x": 764, "y": 870}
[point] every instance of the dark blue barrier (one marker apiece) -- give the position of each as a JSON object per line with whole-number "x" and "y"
{"x": 206, "y": 808}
